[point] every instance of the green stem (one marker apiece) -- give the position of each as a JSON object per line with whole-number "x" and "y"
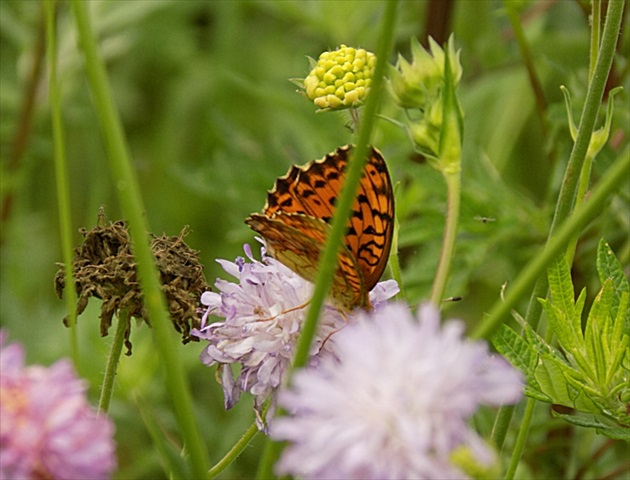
{"x": 596, "y": 8}
{"x": 521, "y": 439}
{"x": 354, "y": 170}
{"x": 453, "y": 187}
{"x": 133, "y": 209}
{"x": 394, "y": 262}
{"x": 449, "y": 163}
{"x": 235, "y": 451}
{"x": 112, "y": 361}
{"x": 585, "y": 179}
{"x": 501, "y": 425}
{"x": 562, "y": 232}
{"x": 593, "y": 207}
{"x": 526, "y": 54}
{"x": 589, "y": 114}
{"x": 536, "y": 267}
{"x": 61, "y": 178}
{"x": 328, "y": 263}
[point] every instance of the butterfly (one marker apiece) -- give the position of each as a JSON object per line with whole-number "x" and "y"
{"x": 295, "y": 223}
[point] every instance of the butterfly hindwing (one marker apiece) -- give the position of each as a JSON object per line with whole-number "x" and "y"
{"x": 297, "y": 241}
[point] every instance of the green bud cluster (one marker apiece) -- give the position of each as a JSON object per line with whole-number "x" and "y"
{"x": 340, "y": 78}
{"x": 426, "y": 85}
{"x": 419, "y": 84}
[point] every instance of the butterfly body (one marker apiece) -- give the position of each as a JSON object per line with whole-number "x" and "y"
{"x": 295, "y": 223}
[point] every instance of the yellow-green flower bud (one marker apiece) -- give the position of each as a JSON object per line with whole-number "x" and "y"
{"x": 340, "y": 78}
{"x": 419, "y": 83}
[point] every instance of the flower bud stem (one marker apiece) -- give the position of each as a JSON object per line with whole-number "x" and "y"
{"x": 453, "y": 186}
{"x": 112, "y": 362}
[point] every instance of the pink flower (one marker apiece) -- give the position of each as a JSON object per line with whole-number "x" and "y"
{"x": 47, "y": 427}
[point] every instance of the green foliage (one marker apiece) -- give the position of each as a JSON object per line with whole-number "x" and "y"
{"x": 590, "y": 370}
{"x": 211, "y": 119}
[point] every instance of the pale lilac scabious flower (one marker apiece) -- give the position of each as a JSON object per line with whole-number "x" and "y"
{"x": 263, "y": 315}
{"x": 395, "y": 404}
{"x": 47, "y": 427}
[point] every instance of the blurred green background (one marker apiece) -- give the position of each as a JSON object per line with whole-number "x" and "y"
{"x": 211, "y": 119}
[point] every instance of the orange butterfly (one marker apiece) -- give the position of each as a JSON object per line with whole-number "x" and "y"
{"x": 295, "y": 223}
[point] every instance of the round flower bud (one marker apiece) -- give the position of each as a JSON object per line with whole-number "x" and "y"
{"x": 340, "y": 78}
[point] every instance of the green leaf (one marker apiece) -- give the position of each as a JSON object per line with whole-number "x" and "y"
{"x": 521, "y": 355}
{"x": 618, "y": 339}
{"x": 597, "y": 333}
{"x": 609, "y": 267}
{"x": 550, "y": 376}
{"x": 589, "y": 421}
{"x": 170, "y": 458}
{"x": 563, "y": 312}
{"x": 561, "y": 286}
{"x": 583, "y": 396}
{"x": 513, "y": 347}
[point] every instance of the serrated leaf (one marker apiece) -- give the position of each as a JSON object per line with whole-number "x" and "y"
{"x": 563, "y": 311}
{"x": 592, "y": 422}
{"x": 513, "y": 347}
{"x": 517, "y": 351}
{"x": 618, "y": 339}
{"x": 563, "y": 326}
{"x": 609, "y": 267}
{"x": 561, "y": 286}
{"x": 597, "y": 332}
{"x": 536, "y": 394}
{"x": 549, "y": 375}
{"x": 584, "y": 398}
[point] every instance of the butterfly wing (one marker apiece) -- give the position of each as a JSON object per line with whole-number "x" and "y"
{"x": 297, "y": 241}
{"x": 313, "y": 190}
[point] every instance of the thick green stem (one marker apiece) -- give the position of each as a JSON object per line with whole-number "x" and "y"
{"x": 61, "y": 178}
{"x": 521, "y": 439}
{"x": 585, "y": 180}
{"x": 501, "y": 425}
{"x": 596, "y": 10}
{"x": 354, "y": 170}
{"x": 536, "y": 267}
{"x": 453, "y": 186}
{"x": 328, "y": 263}
{"x": 107, "y": 389}
{"x": 563, "y": 231}
{"x": 133, "y": 209}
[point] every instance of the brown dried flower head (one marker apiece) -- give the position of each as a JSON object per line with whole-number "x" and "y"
{"x": 104, "y": 267}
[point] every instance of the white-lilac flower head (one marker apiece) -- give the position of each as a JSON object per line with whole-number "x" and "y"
{"x": 394, "y": 402}
{"x": 47, "y": 427}
{"x": 262, "y": 316}
{"x": 340, "y": 78}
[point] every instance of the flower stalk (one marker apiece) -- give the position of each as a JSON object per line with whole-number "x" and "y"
{"x": 328, "y": 263}
{"x": 61, "y": 176}
{"x": 107, "y": 389}
{"x": 131, "y": 202}
{"x": 563, "y": 230}
{"x": 565, "y": 227}
{"x": 428, "y": 88}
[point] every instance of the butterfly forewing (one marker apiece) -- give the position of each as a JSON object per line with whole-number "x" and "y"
{"x": 311, "y": 191}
